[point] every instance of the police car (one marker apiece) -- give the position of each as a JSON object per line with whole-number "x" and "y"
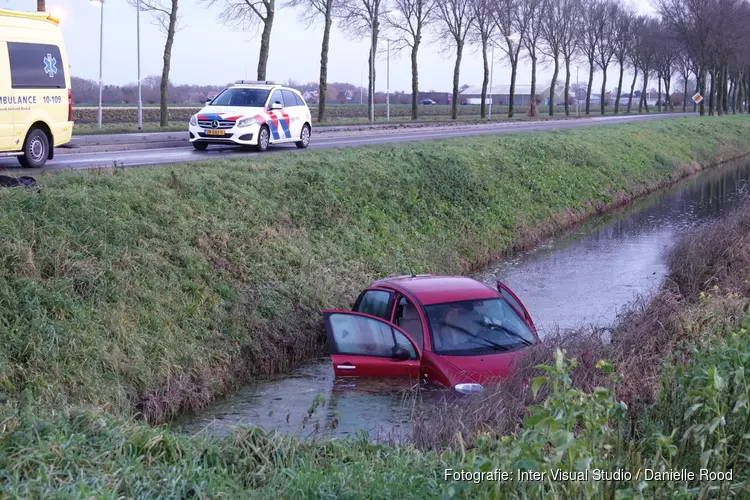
{"x": 252, "y": 113}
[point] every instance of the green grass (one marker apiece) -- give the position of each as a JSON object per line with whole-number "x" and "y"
{"x": 154, "y": 289}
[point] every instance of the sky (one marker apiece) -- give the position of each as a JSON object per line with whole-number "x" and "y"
{"x": 209, "y": 52}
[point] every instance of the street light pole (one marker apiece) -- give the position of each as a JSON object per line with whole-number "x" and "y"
{"x": 371, "y": 84}
{"x": 492, "y": 72}
{"x": 100, "y": 3}
{"x": 388, "y": 84}
{"x": 138, "y": 43}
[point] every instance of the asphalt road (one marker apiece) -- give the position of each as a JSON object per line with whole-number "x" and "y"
{"x": 161, "y": 156}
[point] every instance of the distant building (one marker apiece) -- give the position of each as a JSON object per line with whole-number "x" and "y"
{"x": 522, "y": 95}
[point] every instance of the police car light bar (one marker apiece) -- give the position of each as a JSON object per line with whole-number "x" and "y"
{"x": 256, "y": 82}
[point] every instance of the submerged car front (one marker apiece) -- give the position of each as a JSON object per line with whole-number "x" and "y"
{"x": 475, "y": 342}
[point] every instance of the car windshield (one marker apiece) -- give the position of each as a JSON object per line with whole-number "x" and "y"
{"x": 254, "y": 98}
{"x": 477, "y": 327}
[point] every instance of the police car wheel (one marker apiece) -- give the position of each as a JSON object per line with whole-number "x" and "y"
{"x": 263, "y": 138}
{"x": 200, "y": 146}
{"x": 304, "y": 137}
{"x": 35, "y": 149}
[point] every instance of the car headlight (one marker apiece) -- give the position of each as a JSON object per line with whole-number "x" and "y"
{"x": 468, "y": 388}
{"x": 246, "y": 122}
{"x": 194, "y": 120}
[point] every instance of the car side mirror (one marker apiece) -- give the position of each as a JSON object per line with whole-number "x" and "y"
{"x": 208, "y": 100}
{"x": 400, "y": 354}
{"x": 276, "y": 105}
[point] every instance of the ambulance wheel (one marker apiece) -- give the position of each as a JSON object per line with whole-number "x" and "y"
{"x": 35, "y": 149}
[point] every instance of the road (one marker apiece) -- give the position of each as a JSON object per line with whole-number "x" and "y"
{"x": 161, "y": 156}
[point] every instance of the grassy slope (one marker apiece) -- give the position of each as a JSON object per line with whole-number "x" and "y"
{"x": 159, "y": 287}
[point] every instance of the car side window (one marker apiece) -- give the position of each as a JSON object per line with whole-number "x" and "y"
{"x": 508, "y": 297}
{"x": 300, "y": 100}
{"x": 277, "y": 97}
{"x": 289, "y": 99}
{"x": 375, "y": 303}
{"x": 358, "y": 335}
{"x": 407, "y": 318}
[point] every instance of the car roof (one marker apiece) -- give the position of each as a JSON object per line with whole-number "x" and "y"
{"x": 431, "y": 289}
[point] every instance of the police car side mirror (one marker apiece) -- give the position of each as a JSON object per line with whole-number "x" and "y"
{"x": 276, "y": 105}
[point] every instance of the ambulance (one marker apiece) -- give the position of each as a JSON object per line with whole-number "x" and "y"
{"x": 36, "y": 104}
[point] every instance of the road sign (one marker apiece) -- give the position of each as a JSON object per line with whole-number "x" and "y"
{"x": 697, "y": 98}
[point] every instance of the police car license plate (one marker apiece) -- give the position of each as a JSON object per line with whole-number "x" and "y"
{"x": 215, "y": 132}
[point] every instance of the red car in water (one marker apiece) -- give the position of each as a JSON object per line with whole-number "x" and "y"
{"x": 449, "y": 330}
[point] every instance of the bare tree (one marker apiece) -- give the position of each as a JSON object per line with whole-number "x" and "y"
{"x": 482, "y": 32}
{"x": 529, "y": 15}
{"x": 666, "y": 62}
{"x": 684, "y": 68}
{"x": 414, "y": 17}
{"x": 312, "y": 11}
{"x": 457, "y": 16}
{"x": 571, "y": 12}
{"x": 554, "y": 26}
{"x": 361, "y": 18}
{"x": 621, "y": 44}
{"x": 645, "y": 53}
{"x": 589, "y": 39}
{"x": 165, "y": 18}
{"x": 608, "y": 39}
{"x": 510, "y": 32}
{"x": 248, "y": 14}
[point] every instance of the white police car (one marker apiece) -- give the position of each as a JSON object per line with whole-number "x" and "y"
{"x": 253, "y": 114}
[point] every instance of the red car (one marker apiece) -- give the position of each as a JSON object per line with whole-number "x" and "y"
{"x": 450, "y": 330}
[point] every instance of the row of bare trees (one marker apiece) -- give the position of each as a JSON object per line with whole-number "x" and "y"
{"x": 706, "y": 40}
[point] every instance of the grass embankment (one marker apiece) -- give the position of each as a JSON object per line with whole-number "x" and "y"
{"x": 701, "y": 420}
{"x": 155, "y": 289}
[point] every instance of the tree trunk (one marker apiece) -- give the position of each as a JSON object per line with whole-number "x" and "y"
{"x": 553, "y": 87}
{"x": 532, "y": 103}
{"x": 323, "y": 83}
{"x": 415, "y": 79}
{"x": 512, "y": 90}
{"x": 740, "y": 96}
{"x": 603, "y": 100}
{"x": 667, "y": 93}
{"x": 725, "y": 90}
{"x": 659, "y": 103}
{"x": 632, "y": 90}
{"x": 588, "y": 89}
{"x": 265, "y": 40}
{"x": 371, "y": 69}
{"x": 485, "y": 79}
{"x": 701, "y": 84}
{"x": 456, "y": 75}
{"x": 644, "y": 93}
{"x": 720, "y": 92}
{"x": 41, "y": 6}
{"x": 711, "y": 93}
{"x": 566, "y": 91}
{"x": 619, "y": 86}
{"x": 164, "y": 87}
{"x": 684, "y": 95}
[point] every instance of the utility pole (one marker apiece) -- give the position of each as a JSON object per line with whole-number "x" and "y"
{"x": 388, "y": 84}
{"x": 138, "y": 43}
{"x": 492, "y": 72}
{"x": 372, "y": 75}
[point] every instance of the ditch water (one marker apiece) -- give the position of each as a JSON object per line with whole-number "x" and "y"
{"x": 584, "y": 277}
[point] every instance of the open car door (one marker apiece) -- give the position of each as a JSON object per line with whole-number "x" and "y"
{"x": 362, "y": 345}
{"x": 516, "y": 303}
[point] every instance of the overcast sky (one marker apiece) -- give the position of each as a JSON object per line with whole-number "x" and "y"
{"x": 208, "y": 52}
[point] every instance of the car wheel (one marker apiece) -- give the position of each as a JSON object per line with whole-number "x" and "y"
{"x": 304, "y": 137}
{"x": 35, "y": 149}
{"x": 200, "y": 146}
{"x": 263, "y": 139}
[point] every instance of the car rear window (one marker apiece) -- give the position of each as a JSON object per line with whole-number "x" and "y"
{"x": 36, "y": 66}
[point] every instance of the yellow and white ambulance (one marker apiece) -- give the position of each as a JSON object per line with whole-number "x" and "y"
{"x": 36, "y": 104}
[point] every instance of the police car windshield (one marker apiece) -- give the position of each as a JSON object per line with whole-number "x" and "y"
{"x": 254, "y": 98}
